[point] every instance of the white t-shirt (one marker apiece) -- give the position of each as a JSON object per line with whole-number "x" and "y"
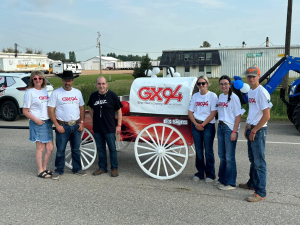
{"x": 202, "y": 105}
{"x": 36, "y": 101}
{"x": 227, "y": 111}
{"x": 66, "y": 104}
{"x": 259, "y": 99}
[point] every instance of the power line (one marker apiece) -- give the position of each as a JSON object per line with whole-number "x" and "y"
{"x": 127, "y": 51}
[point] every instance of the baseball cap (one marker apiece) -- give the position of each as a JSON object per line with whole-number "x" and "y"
{"x": 253, "y": 71}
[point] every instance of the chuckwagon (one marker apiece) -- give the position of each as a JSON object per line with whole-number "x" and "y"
{"x": 155, "y": 119}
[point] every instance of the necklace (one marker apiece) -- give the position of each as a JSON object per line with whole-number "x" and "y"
{"x": 100, "y": 102}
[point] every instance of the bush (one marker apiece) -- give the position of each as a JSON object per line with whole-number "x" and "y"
{"x": 140, "y": 72}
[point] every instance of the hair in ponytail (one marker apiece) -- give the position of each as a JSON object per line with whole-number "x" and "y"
{"x": 225, "y": 77}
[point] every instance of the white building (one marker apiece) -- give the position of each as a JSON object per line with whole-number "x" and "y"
{"x": 231, "y": 61}
{"x": 94, "y": 63}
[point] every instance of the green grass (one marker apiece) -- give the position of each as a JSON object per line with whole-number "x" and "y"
{"x": 121, "y": 83}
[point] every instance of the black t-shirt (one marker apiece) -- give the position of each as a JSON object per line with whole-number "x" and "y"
{"x": 110, "y": 103}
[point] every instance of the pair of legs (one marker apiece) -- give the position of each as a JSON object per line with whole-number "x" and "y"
{"x": 258, "y": 166}
{"x": 101, "y": 141}
{"x": 40, "y": 161}
{"x": 226, "y": 151}
{"x": 205, "y": 140}
{"x": 74, "y": 136}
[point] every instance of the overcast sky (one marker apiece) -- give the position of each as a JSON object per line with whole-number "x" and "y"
{"x": 138, "y": 27}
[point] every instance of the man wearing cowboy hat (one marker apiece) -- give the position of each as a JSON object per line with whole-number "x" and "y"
{"x": 66, "y": 110}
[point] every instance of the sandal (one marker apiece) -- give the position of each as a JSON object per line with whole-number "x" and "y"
{"x": 43, "y": 174}
{"x": 49, "y": 172}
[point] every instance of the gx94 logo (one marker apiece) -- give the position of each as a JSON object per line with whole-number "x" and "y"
{"x": 160, "y": 94}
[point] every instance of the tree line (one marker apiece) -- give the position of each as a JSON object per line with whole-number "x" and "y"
{"x": 128, "y": 57}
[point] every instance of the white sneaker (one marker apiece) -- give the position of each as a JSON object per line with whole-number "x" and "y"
{"x": 226, "y": 188}
{"x": 208, "y": 180}
{"x": 195, "y": 178}
{"x": 217, "y": 183}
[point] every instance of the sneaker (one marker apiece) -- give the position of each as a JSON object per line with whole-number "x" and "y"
{"x": 55, "y": 176}
{"x": 99, "y": 172}
{"x": 226, "y": 188}
{"x": 208, "y": 180}
{"x": 195, "y": 178}
{"x": 217, "y": 183}
{"x": 245, "y": 186}
{"x": 114, "y": 173}
{"x": 81, "y": 173}
{"x": 255, "y": 198}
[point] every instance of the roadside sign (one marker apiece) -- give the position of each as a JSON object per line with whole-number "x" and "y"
{"x": 251, "y": 55}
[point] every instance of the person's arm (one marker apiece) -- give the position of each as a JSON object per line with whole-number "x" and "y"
{"x": 52, "y": 116}
{"x": 235, "y": 127}
{"x": 192, "y": 118}
{"x": 263, "y": 120}
{"x": 119, "y": 116}
{"x": 32, "y": 117}
{"x": 82, "y": 118}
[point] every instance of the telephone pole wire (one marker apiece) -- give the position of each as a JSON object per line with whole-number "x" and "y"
{"x": 99, "y": 51}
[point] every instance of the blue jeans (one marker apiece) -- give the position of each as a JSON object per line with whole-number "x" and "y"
{"x": 205, "y": 139}
{"x": 226, "y": 151}
{"x": 258, "y": 167}
{"x": 101, "y": 140}
{"x": 74, "y": 136}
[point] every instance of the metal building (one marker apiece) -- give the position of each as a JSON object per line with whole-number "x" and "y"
{"x": 231, "y": 61}
{"x": 94, "y": 63}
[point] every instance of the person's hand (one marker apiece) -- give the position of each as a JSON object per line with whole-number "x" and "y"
{"x": 252, "y": 135}
{"x": 233, "y": 136}
{"x": 39, "y": 122}
{"x": 245, "y": 134}
{"x": 199, "y": 127}
{"x": 80, "y": 127}
{"x": 118, "y": 130}
{"x": 60, "y": 129}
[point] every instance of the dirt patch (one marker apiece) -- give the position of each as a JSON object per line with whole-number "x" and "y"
{"x": 91, "y": 72}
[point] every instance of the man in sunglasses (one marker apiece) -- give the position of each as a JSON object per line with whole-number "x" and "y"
{"x": 104, "y": 105}
{"x": 66, "y": 110}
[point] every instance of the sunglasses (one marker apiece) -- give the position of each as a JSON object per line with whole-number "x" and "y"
{"x": 201, "y": 83}
{"x": 40, "y": 78}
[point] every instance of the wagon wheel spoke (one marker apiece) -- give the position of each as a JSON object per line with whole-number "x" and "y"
{"x": 148, "y": 142}
{"x": 144, "y": 147}
{"x": 174, "y": 160}
{"x": 87, "y": 153}
{"x": 148, "y": 160}
{"x": 168, "y": 138}
{"x": 67, "y": 156}
{"x": 151, "y": 167}
{"x": 151, "y": 138}
{"x": 83, "y": 156}
{"x": 175, "y": 154}
{"x": 81, "y": 162}
{"x": 147, "y": 153}
{"x": 157, "y": 138}
{"x": 172, "y": 142}
{"x": 162, "y": 136}
{"x": 170, "y": 164}
{"x": 158, "y": 166}
{"x": 164, "y": 163}
{"x": 174, "y": 148}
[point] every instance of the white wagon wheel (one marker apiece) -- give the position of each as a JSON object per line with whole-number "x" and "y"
{"x": 155, "y": 153}
{"x": 88, "y": 150}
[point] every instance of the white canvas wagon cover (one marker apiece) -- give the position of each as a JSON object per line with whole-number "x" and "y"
{"x": 168, "y": 96}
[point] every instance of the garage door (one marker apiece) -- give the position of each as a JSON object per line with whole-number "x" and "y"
{"x": 96, "y": 66}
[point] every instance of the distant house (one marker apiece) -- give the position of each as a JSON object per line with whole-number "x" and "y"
{"x": 94, "y": 63}
{"x": 231, "y": 61}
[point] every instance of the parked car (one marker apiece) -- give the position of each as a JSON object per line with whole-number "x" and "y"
{"x": 12, "y": 90}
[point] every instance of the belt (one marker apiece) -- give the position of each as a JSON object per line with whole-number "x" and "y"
{"x": 250, "y": 127}
{"x": 70, "y": 123}
{"x": 221, "y": 122}
{"x": 199, "y": 121}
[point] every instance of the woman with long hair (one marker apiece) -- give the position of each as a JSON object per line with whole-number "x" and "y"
{"x": 229, "y": 114}
{"x": 40, "y": 126}
{"x": 202, "y": 111}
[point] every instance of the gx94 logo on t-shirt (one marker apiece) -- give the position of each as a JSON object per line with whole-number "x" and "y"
{"x": 69, "y": 99}
{"x": 160, "y": 93}
{"x": 202, "y": 103}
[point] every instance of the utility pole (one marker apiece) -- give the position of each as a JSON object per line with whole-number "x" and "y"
{"x": 285, "y": 80}
{"x": 16, "y": 50}
{"x": 99, "y": 51}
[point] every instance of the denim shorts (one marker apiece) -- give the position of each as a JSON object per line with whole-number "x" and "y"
{"x": 42, "y": 133}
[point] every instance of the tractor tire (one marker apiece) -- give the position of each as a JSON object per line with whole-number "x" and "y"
{"x": 9, "y": 111}
{"x": 296, "y": 117}
{"x": 290, "y": 112}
